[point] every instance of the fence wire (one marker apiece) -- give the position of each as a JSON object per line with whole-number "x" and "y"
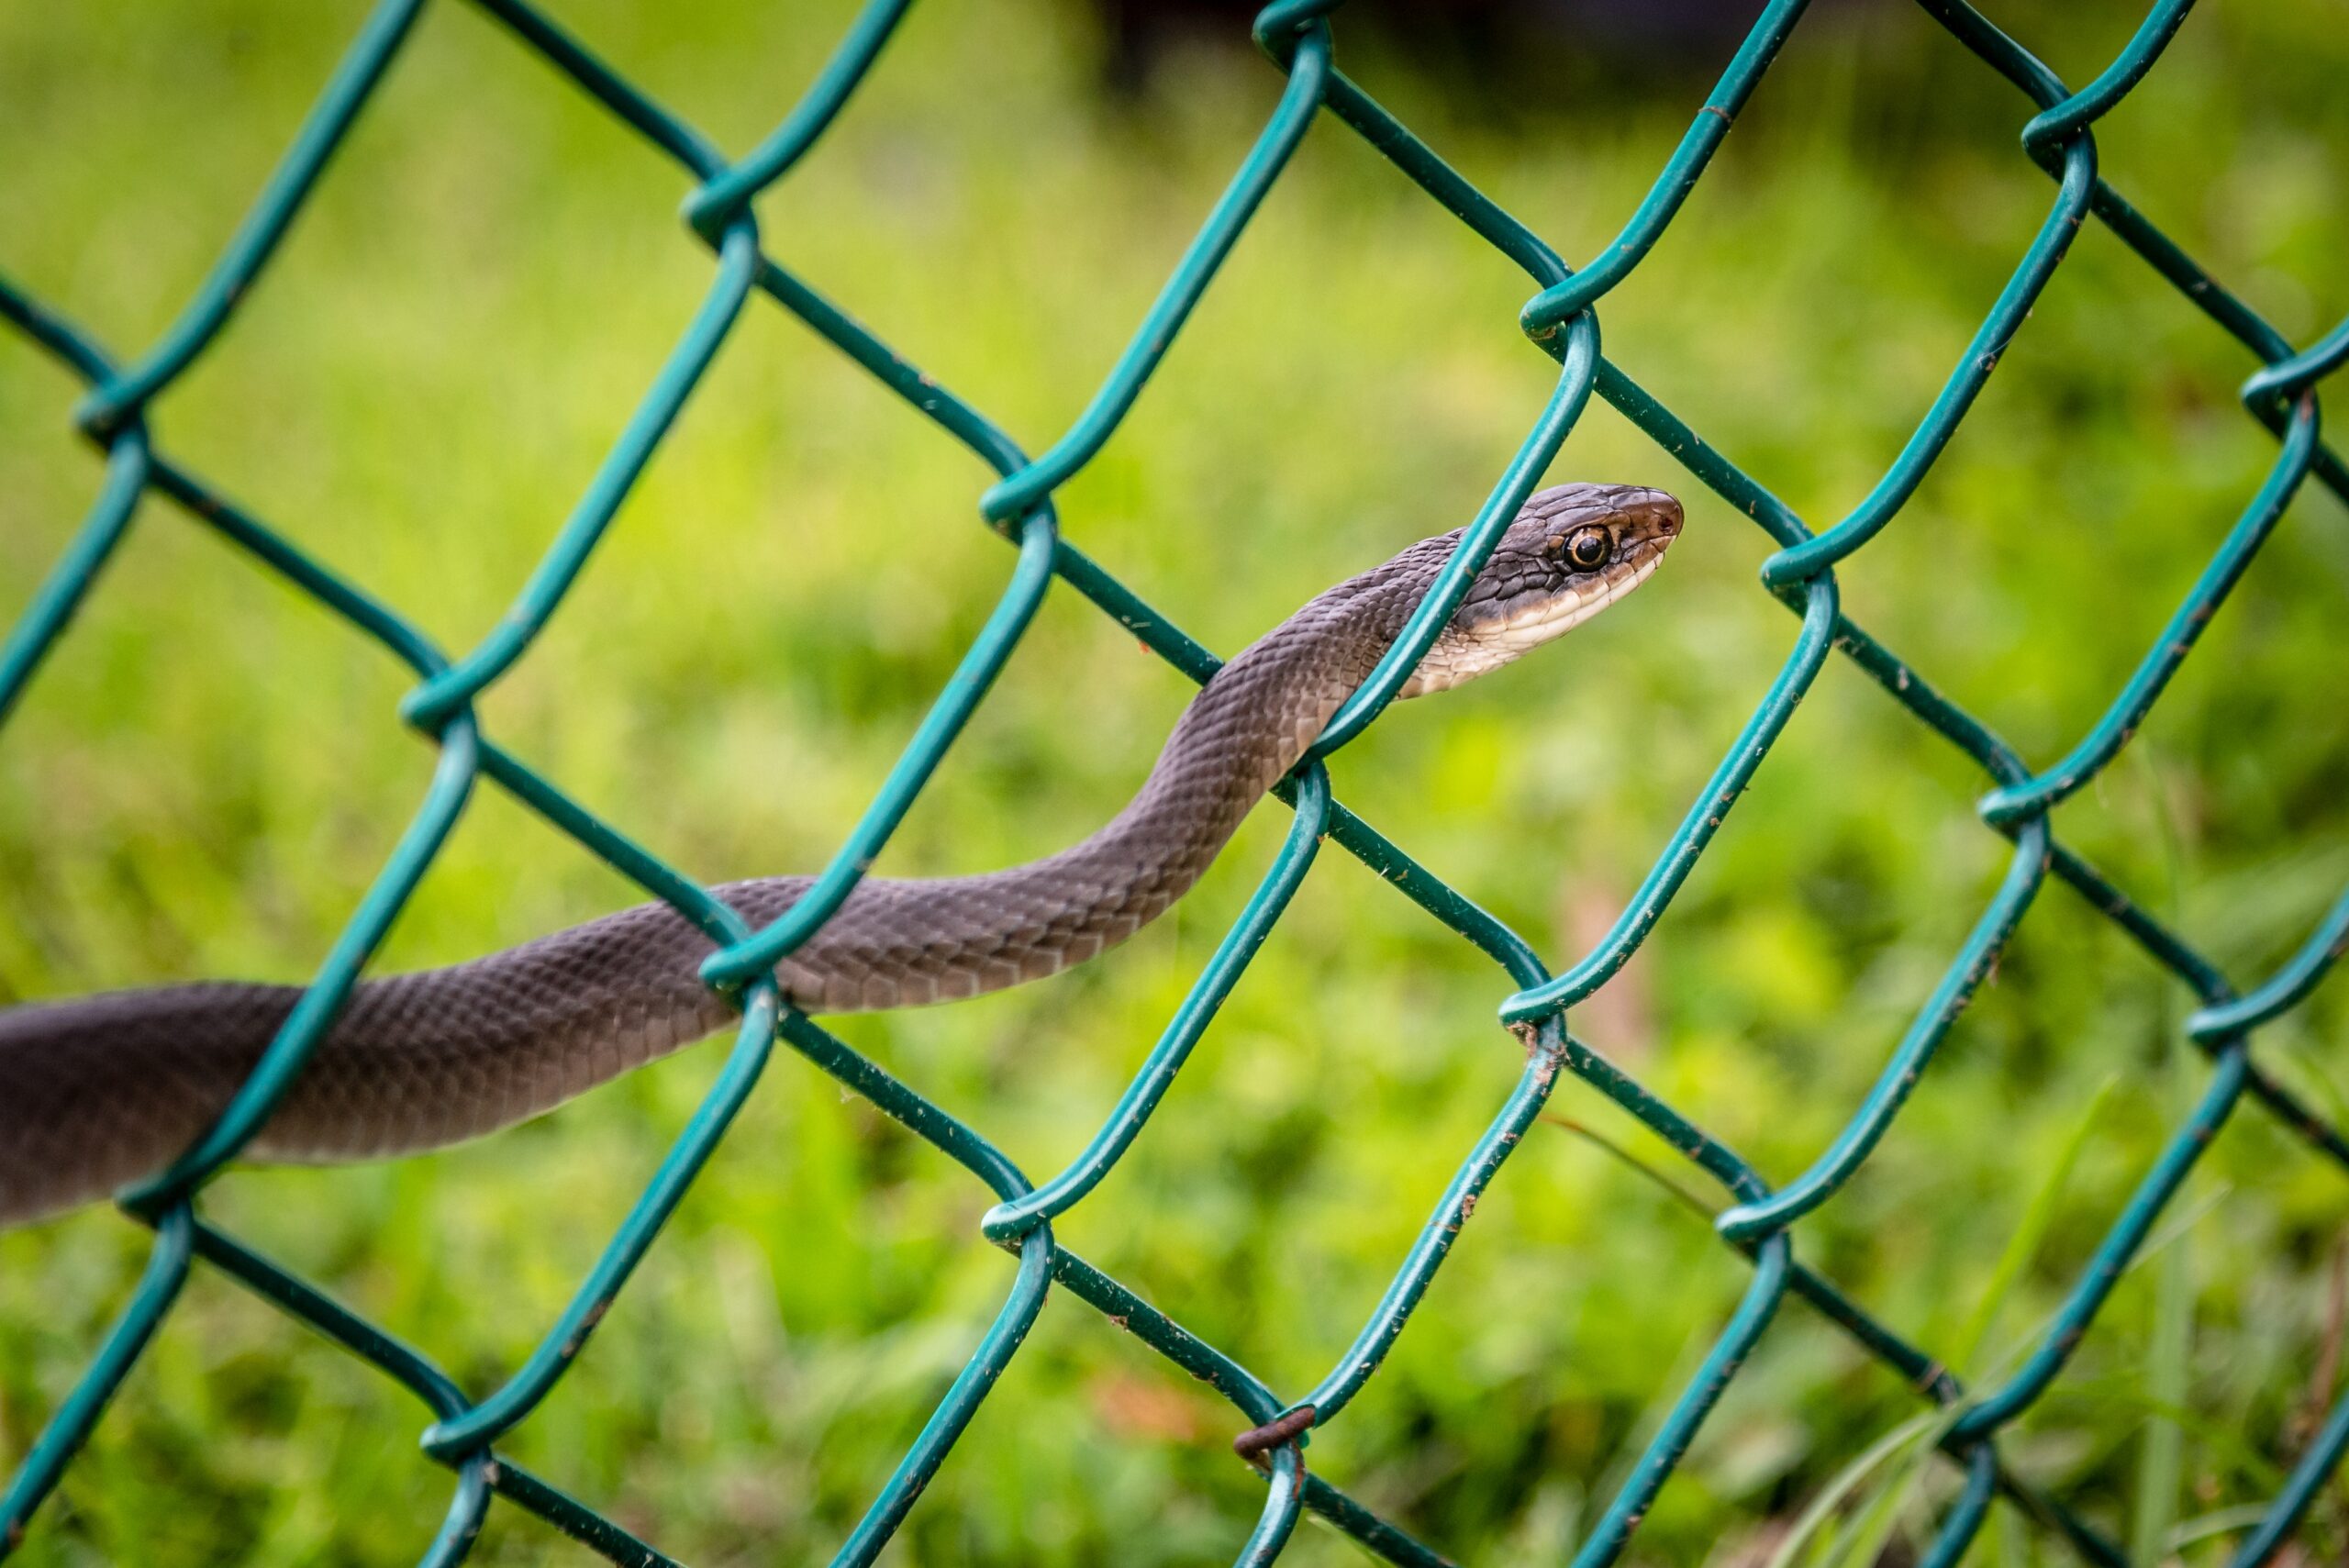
{"x": 1561, "y": 320}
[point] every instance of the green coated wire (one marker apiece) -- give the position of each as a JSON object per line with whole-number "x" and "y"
{"x": 1561, "y": 320}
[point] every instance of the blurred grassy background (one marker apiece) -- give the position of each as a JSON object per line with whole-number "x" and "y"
{"x": 210, "y": 771}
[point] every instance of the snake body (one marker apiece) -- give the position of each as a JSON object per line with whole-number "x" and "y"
{"x": 98, "y": 1091}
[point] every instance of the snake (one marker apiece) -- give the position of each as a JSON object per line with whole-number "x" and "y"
{"x": 99, "y": 1092}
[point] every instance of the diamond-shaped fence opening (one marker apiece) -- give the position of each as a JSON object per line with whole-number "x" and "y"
{"x": 1561, "y": 320}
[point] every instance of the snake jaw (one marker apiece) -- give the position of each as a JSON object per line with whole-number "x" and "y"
{"x": 1528, "y": 595}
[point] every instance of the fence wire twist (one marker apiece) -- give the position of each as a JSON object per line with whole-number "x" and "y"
{"x": 1561, "y": 320}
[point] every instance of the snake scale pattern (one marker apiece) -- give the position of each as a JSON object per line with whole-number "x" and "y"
{"x": 99, "y": 1092}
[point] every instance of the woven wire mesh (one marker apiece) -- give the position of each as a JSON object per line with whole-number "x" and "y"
{"x": 1561, "y": 320}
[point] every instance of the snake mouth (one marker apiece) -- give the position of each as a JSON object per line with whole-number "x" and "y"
{"x": 1531, "y": 592}
{"x": 1553, "y": 614}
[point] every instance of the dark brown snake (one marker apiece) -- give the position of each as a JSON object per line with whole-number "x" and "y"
{"x": 101, "y": 1091}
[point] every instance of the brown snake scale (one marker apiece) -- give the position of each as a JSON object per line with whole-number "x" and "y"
{"x": 98, "y": 1091}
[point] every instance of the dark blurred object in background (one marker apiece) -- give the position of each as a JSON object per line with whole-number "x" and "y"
{"x": 1479, "y": 47}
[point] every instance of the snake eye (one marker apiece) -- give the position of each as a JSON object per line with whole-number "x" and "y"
{"x": 1589, "y": 548}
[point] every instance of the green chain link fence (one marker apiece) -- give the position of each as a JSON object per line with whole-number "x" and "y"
{"x": 1561, "y": 320}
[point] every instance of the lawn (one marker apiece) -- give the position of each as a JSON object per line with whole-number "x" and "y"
{"x": 210, "y": 772}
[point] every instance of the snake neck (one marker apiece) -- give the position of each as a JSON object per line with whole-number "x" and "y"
{"x": 909, "y": 943}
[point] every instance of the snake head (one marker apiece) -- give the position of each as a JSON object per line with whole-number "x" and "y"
{"x": 1571, "y": 551}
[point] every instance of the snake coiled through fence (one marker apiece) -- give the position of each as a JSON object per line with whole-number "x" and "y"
{"x": 98, "y": 1091}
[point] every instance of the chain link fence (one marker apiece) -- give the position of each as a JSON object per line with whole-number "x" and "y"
{"x": 1561, "y": 320}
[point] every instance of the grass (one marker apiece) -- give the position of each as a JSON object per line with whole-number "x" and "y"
{"x": 210, "y": 771}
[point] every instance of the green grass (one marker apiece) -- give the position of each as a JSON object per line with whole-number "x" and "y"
{"x": 210, "y": 771}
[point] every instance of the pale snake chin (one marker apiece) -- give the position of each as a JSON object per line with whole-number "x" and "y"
{"x": 99, "y": 1092}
